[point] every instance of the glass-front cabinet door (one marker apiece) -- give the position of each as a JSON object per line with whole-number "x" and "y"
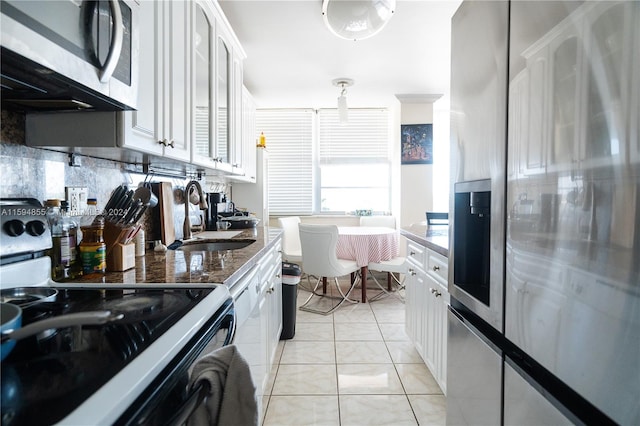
{"x": 223, "y": 110}
{"x": 203, "y": 96}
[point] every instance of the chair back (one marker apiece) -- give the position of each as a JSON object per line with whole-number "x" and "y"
{"x": 290, "y": 236}
{"x": 386, "y": 221}
{"x": 319, "y": 250}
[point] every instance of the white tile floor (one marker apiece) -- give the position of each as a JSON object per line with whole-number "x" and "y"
{"x": 353, "y": 367}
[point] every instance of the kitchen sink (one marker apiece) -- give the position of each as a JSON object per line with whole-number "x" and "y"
{"x": 217, "y": 245}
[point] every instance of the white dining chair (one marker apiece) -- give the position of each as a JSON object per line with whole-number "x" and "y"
{"x": 397, "y": 265}
{"x": 318, "y": 243}
{"x": 291, "y": 249}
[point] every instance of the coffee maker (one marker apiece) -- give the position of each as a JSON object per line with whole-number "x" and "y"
{"x": 217, "y": 203}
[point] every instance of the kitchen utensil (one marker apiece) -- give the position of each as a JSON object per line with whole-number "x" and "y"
{"x": 125, "y": 201}
{"x": 194, "y": 197}
{"x": 116, "y": 194}
{"x": 138, "y": 214}
{"x": 223, "y": 225}
{"x": 146, "y": 195}
{"x": 28, "y": 296}
{"x": 11, "y": 330}
{"x": 133, "y": 208}
{"x": 11, "y": 319}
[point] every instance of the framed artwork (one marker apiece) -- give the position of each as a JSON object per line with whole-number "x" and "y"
{"x": 417, "y": 143}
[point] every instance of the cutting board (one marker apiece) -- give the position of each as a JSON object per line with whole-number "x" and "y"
{"x": 217, "y": 235}
{"x": 165, "y": 205}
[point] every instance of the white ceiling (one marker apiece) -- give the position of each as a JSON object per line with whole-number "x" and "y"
{"x": 292, "y": 57}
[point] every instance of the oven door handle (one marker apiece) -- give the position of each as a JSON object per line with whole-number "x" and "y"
{"x": 230, "y": 323}
{"x": 194, "y": 400}
{"x": 198, "y": 394}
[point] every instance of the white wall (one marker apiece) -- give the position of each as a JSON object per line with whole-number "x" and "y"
{"x": 441, "y": 148}
{"x": 416, "y": 179}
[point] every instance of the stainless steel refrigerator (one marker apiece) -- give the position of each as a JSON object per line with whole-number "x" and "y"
{"x": 544, "y": 322}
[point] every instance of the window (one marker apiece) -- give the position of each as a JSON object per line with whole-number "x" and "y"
{"x": 289, "y": 136}
{"x": 354, "y": 161}
{"x": 317, "y": 165}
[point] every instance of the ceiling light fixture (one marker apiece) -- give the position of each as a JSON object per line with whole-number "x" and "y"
{"x": 343, "y": 111}
{"x": 357, "y": 19}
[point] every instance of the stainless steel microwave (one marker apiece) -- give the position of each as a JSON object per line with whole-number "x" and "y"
{"x": 69, "y": 54}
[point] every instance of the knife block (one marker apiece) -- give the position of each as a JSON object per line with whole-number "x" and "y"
{"x": 121, "y": 257}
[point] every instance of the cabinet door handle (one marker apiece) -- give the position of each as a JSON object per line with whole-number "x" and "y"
{"x": 411, "y": 272}
{"x": 171, "y": 144}
{"x": 437, "y": 293}
{"x": 436, "y": 268}
{"x": 412, "y": 253}
{"x": 163, "y": 142}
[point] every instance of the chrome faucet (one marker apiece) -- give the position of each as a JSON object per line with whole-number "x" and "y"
{"x": 186, "y": 228}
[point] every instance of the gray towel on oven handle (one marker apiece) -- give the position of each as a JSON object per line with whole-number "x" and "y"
{"x": 231, "y": 400}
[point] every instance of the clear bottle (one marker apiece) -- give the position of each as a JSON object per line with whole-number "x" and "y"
{"x": 70, "y": 224}
{"x": 61, "y": 251}
{"x": 93, "y": 249}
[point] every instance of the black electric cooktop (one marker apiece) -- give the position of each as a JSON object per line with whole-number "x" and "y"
{"x": 46, "y": 376}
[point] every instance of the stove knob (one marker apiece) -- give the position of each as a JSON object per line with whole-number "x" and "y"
{"x": 14, "y": 227}
{"x": 36, "y": 228}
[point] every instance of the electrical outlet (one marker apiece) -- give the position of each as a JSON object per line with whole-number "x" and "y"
{"x": 76, "y": 196}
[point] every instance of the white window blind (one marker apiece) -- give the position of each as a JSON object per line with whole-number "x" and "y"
{"x": 289, "y": 138}
{"x": 354, "y": 161}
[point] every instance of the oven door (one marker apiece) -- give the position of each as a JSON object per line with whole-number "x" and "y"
{"x": 168, "y": 399}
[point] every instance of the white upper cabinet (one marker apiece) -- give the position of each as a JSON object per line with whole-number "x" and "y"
{"x": 223, "y": 102}
{"x": 203, "y": 93}
{"x": 161, "y": 124}
{"x": 218, "y": 60}
{"x": 249, "y": 136}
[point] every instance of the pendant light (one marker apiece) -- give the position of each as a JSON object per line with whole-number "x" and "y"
{"x": 357, "y": 19}
{"x": 343, "y": 111}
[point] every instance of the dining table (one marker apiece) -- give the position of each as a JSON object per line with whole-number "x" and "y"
{"x": 366, "y": 244}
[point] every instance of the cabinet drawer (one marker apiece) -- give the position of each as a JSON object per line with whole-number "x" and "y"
{"x": 416, "y": 256}
{"x": 437, "y": 267}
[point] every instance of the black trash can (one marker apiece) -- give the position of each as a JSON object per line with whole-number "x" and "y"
{"x": 290, "y": 278}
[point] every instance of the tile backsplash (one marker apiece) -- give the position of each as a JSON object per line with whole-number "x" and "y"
{"x": 43, "y": 174}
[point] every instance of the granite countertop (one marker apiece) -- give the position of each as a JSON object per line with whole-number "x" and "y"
{"x": 195, "y": 267}
{"x": 435, "y": 237}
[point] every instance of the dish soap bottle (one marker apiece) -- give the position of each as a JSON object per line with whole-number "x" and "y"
{"x": 262, "y": 141}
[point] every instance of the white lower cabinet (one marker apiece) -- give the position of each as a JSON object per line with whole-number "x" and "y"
{"x": 426, "y": 308}
{"x": 271, "y": 282}
{"x": 258, "y": 333}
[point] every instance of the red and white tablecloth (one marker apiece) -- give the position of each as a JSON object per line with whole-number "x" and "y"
{"x": 366, "y": 244}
